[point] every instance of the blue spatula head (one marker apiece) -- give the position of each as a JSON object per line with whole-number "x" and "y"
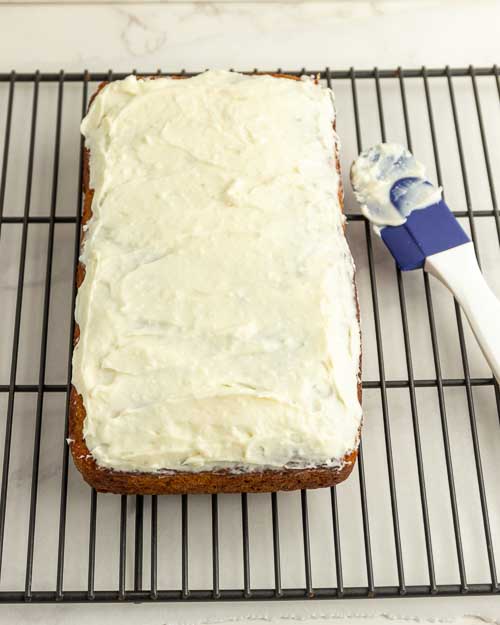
{"x": 412, "y": 219}
{"x": 426, "y": 231}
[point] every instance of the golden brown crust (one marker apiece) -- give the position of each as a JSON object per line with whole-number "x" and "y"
{"x": 106, "y": 480}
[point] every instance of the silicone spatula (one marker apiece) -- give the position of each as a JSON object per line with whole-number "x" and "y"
{"x": 420, "y": 231}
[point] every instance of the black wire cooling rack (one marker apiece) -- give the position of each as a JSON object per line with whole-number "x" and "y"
{"x": 432, "y": 404}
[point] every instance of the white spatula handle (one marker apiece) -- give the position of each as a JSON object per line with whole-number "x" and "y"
{"x": 457, "y": 269}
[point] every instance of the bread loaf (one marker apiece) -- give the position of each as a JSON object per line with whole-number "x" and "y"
{"x": 217, "y": 343}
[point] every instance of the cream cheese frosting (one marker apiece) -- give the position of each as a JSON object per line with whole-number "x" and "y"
{"x": 390, "y": 184}
{"x": 218, "y": 320}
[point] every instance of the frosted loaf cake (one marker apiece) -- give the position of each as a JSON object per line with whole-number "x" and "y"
{"x": 218, "y": 339}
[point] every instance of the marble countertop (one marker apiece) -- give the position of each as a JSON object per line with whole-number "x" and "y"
{"x": 339, "y": 34}
{"x": 175, "y": 35}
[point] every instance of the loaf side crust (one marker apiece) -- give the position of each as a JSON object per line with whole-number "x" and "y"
{"x": 107, "y": 480}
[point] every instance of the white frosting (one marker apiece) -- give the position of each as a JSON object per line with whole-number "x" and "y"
{"x": 217, "y": 317}
{"x": 375, "y": 172}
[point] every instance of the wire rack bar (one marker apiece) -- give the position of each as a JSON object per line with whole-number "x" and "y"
{"x": 17, "y": 321}
{"x": 154, "y": 547}
{"x": 437, "y": 362}
{"x": 92, "y": 542}
{"x": 276, "y": 544}
{"x": 43, "y": 347}
{"x": 215, "y": 546}
{"x": 411, "y": 380}
{"x": 361, "y": 469}
{"x": 67, "y": 390}
{"x": 336, "y": 542}
{"x": 122, "y": 575}
{"x": 6, "y": 146}
{"x": 380, "y": 358}
{"x": 69, "y": 219}
{"x": 38, "y": 219}
{"x": 185, "y": 548}
{"x": 138, "y": 553}
{"x": 246, "y": 546}
{"x": 307, "y": 547}
{"x": 264, "y": 594}
{"x": 463, "y": 347}
{"x": 484, "y": 142}
{"x": 368, "y": 384}
{"x": 334, "y": 74}
{"x": 333, "y": 490}
{"x": 497, "y": 398}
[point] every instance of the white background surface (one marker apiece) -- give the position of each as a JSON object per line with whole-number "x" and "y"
{"x": 268, "y": 35}
{"x": 247, "y": 35}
